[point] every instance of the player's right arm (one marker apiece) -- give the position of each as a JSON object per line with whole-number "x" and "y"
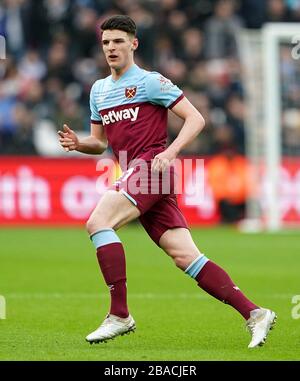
{"x": 94, "y": 144}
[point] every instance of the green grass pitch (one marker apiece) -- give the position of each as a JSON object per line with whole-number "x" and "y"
{"x": 55, "y": 296}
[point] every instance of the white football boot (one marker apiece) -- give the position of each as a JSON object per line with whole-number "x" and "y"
{"x": 111, "y": 327}
{"x": 259, "y": 324}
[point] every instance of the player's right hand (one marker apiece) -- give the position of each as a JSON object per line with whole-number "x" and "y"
{"x": 68, "y": 139}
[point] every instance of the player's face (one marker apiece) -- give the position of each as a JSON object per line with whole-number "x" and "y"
{"x": 118, "y": 48}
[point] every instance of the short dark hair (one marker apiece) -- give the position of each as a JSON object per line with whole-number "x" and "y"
{"x": 120, "y": 22}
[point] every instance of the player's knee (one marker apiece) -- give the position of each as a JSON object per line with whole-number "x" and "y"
{"x": 90, "y": 226}
{"x": 95, "y": 224}
{"x": 180, "y": 262}
{"x": 183, "y": 259}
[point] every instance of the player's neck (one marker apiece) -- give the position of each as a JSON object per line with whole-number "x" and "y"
{"x": 117, "y": 73}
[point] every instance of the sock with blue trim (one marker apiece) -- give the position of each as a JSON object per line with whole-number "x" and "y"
{"x": 216, "y": 282}
{"x": 111, "y": 259}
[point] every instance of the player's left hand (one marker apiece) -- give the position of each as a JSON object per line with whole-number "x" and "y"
{"x": 162, "y": 161}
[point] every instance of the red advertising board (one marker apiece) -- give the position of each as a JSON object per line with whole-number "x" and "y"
{"x": 48, "y": 191}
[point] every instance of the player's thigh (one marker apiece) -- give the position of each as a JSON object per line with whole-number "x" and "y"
{"x": 112, "y": 211}
{"x": 180, "y": 246}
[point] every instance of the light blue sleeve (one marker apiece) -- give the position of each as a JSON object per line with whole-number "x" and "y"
{"x": 161, "y": 90}
{"x": 95, "y": 116}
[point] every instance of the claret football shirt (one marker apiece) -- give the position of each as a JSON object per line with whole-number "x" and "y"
{"x": 134, "y": 111}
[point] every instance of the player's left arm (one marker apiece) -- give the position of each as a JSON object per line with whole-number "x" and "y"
{"x": 192, "y": 126}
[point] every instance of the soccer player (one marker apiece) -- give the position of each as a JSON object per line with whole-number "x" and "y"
{"x": 129, "y": 112}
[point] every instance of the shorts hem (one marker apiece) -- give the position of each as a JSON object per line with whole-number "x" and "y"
{"x": 130, "y": 198}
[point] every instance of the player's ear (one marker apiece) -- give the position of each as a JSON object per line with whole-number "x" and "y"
{"x": 135, "y": 44}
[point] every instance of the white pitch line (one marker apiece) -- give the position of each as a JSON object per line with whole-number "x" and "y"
{"x": 59, "y": 295}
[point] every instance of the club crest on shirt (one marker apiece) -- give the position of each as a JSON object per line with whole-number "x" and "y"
{"x": 130, "y": 92}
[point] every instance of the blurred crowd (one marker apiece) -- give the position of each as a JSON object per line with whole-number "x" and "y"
{"x": 54, "y": 56}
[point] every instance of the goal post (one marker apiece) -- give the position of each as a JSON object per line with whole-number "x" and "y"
{"x": 260, "y": 57}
